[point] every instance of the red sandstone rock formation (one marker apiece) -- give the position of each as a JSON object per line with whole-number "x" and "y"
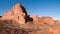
{"x": 17, "y": 21}
{"x": 57, "y": 22}
{"x": 16, "y": 13}
{"x": 47, "y": 20}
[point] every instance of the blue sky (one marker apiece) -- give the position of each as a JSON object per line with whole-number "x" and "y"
{"x": 33, "y": 7}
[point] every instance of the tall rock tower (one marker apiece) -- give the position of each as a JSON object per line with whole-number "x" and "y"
{"x": 17, "y": 13}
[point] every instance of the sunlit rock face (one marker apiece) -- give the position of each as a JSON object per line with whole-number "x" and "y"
{"x": 17, "y": 21}
{"x": 17, "y": 13}
{"x": 47, "y": 20}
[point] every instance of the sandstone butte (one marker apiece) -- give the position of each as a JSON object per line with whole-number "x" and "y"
{"x": 17, "y": 21}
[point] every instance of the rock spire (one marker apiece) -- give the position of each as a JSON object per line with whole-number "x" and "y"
{"x": 17, "y": 13}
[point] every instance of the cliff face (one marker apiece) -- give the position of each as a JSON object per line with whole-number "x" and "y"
{"x": 17, "y": 21}
{"x": 17, "y": 13}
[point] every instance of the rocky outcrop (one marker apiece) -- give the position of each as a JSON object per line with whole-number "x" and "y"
{"x": 17, "y": 13}
{"x": 47, "y": 20}
{"x": 17, "y": 21}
